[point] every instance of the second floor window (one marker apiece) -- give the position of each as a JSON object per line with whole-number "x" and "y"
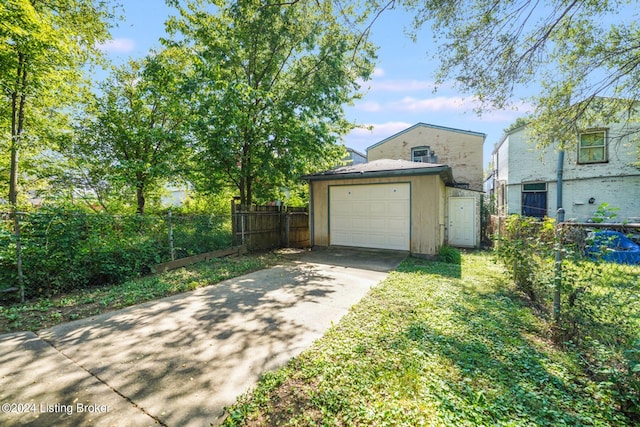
{"x": 423, "y": 154}
{"x": 592, "y": 147}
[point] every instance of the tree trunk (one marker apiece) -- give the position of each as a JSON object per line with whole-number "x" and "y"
{"x": 243, "y": 197}
{"x": 18, "y": 99}
{"x": 246, "y": 172}
{"x": 13, "y": 174}
{"x": 249, "y": 181}
{"x": 140, "y": 198}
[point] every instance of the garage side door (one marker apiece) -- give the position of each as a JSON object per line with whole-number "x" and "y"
{"x": 462, "y": 221}
{"x": 370, "y": 216}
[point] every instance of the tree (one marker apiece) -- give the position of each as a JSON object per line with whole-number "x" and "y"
{"x": 518, "y": 123}
{"x": 135, "y": 133}
{"x": 43, "y": 46}
{"x": 273, "y": 78}
{"x": 583, "y": 55}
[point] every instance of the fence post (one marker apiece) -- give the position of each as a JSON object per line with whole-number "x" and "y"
{"x": 558, "y": 266}
{"x": 16, "y": 229}
{"x": 287, "y": 225}
{"x": 242, "y": 223}
{"x": 234, "y": 223}
{"x": 172, "y": 249}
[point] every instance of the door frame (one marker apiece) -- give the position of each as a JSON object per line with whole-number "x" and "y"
{"x": 474, "y": 229}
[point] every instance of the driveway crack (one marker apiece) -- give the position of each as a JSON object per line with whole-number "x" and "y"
{"x": 127, "y": 398}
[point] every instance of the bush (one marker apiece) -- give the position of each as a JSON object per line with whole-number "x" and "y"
{"x": 199, "y": 234}
{"x": 449, "y": 255}
{"x": 525, "y": 248}
{"x": 65, "y": 249}
{"x": 600, "y": 310}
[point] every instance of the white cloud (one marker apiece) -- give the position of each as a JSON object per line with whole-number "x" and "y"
{"x": 445, "y": 104}
{"x": 121, "y": 45}
{"x": 390, "y": 128}
{"x": 377, "y": 72}
{"x": 437, "y": 104}
{"x": 518, "y": 109}
{"x": 361, "y": 138}
{"x": 402, "y": 85}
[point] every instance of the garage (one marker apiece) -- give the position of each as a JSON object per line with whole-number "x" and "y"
{"x": 385, "y": 204}
{"x": 370, "y": 216}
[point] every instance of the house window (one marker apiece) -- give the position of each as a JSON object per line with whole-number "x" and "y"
{"x": 592, "y": 147}
{"x": 423, "y": 155}
{"x": 534, "y": 199}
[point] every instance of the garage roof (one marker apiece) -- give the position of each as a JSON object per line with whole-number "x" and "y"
{"x": 384, "y": 168}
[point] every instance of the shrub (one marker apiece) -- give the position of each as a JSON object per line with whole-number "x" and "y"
{"x": 449, "y": 255}
{"x": 600, "y": 314}
{"x": 525, "y": 248}
{"x": 65, "y": 249}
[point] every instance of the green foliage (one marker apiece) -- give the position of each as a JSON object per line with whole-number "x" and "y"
{"x": 449, "y": 255}
{"x": 134, "y": 134}
{"x": 600, "y": 311}
{"x": 487, "y": 208}
{"x": 525, "y": 249}
{"x": 196, "y": 234}
{"x": 44, "y": 48}
{"x": 601, "y": 319}
{"x": 271, "y": 82}
{"x": 199, "y": 203}
{"x": 64, "y": 250}
{"x": 604, "y": 213}
{"x": 518, "y": 123}
{"x": 428, "y": 348}
{"x": 298, "y": 196}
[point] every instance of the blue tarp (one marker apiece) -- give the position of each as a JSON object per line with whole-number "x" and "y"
{"x": 613, "y": 246}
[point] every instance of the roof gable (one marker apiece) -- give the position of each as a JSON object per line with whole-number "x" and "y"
{"x": 505, "y": 137}
{"x": 427, "y": 125}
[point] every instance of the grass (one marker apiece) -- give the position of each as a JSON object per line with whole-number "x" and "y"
{"x": 47, "y": 312}
{"x": 439, "y": 345}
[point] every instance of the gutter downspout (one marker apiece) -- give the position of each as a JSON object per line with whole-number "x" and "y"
{"x": 559, "y": 182}
{"x": 558, "y": 257}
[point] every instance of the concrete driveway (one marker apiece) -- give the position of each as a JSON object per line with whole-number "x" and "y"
{"x": 180, "y": 360}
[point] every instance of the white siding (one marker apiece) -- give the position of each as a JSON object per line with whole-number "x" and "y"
{"x": 616, "y": 182}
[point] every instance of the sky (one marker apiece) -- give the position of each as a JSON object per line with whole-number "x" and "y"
{"x": 399, "y": 94}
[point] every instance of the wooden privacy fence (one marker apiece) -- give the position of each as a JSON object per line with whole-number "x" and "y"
{"x": 268, "y": 227}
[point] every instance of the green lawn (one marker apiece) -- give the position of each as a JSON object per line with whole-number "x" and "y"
{"x": 435, "y": 344}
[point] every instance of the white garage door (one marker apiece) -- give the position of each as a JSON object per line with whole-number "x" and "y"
{"x": 370, "y": 216}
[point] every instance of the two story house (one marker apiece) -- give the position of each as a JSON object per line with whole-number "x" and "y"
{"x": 601, "y": 168}
{"x": 420, "y": 189}
{"x": 459, "y": 149}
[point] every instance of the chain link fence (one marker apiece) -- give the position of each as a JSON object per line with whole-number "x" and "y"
{"x": 52, "y": 251}
{"x": 585, "y": 280}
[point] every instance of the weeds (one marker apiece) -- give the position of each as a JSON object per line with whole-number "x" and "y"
{"x": 600, "y": 309}
{"x": 46, "y": 312}
{"x": 437, "y": 346}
